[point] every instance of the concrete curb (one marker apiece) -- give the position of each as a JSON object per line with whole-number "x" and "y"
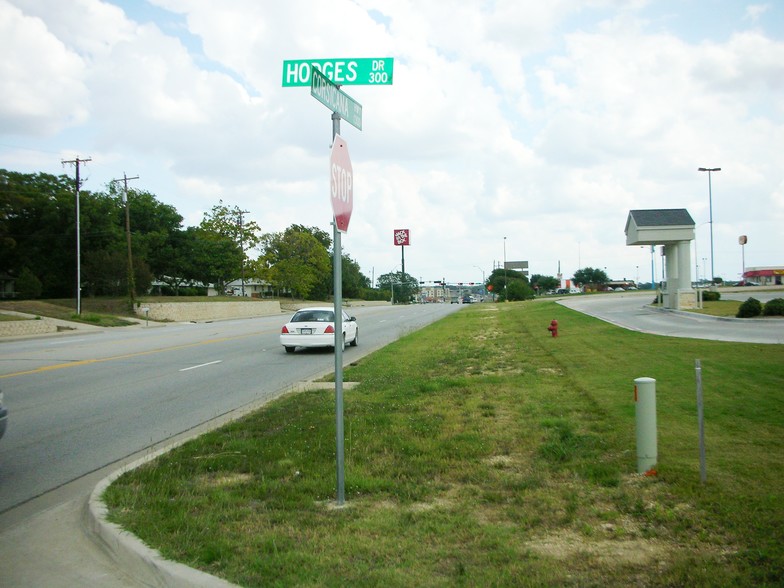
{"x": 755, "y": 320}
{"x": 130, "y": 553}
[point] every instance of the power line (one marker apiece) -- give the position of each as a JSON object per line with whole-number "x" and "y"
{"x": 131, "y": 281}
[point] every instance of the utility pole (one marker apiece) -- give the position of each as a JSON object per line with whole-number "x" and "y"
{"x": 242, "y": 247}
{"x": 77, "y": 162}
{"x": 131, "y": 280}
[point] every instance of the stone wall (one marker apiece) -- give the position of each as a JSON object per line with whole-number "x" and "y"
{"x": 203, "y": 311}
{"x": 24, "y": 327}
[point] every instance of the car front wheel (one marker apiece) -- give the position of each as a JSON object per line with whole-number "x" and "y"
{"x": 355, "y": 342}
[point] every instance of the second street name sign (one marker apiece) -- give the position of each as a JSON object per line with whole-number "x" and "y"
{"x": 330, "y": 96}
{"x": 375, "y": 71}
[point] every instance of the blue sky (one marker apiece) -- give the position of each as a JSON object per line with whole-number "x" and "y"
{"x": 544, "y": 123}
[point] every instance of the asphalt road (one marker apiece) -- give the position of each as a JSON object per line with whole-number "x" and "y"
{"x": 631, "y": 311}
{"x": 83, "y": 402}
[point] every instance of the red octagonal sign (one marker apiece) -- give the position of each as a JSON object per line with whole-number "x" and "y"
{"x": 341, "y": 183}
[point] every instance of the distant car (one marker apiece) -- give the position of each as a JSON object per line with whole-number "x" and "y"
{"x": 562, "y": 291}
{"x": 3, "y": 416}
{"x": 315, "y": 327}
{"x": 747, "y": 283}
{"x": 467, "y": 300}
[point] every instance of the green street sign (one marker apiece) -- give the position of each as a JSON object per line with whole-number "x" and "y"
{"x": 364, "y": 71}
{"x": 330, "y": 96}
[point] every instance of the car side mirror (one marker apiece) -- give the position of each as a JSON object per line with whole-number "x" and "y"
{"x": 352, "y": 318}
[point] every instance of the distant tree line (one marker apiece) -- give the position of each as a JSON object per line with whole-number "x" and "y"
{"x": 38, "y": 245}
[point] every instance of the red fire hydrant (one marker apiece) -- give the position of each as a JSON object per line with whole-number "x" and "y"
{"x": 553, "y": 328}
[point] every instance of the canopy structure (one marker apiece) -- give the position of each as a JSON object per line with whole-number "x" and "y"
{"x": 674, "y": 229}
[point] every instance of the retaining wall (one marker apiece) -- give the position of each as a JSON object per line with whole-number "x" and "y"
{"x": 26, "y": 327}
{"x": 203, "y": 311}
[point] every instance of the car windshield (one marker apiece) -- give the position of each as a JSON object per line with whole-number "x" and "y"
{"x": 313, "y": 316}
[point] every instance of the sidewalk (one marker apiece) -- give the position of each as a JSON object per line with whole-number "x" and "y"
{"x": 70, "y": 542}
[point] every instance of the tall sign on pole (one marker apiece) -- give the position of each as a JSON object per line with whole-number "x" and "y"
{"x": 325, "y": 76}
{"x": 341, "y": 187}
{"x": 402, "y": 238}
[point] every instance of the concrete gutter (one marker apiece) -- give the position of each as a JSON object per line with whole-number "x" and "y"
{"x": 130, "y": 553}
{"x": 141, "y": 562}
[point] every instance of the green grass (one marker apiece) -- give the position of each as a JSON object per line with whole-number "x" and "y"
{"x": 12, "y": 317}
{"x": 727, "y": 308}
{"x": 481, "y": 451}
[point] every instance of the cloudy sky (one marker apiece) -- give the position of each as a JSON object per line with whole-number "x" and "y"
{"x": 515, "y": 129}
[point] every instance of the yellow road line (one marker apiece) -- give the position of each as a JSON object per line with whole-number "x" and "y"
{"x": 81, "y": 362}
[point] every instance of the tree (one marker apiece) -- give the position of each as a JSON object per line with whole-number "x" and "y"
{"x": 27, "y": 285}
{"x": 509, "y": 285}
{"x": 323, "y": 287}
{"x": 155, "y": 228}
{"x": 209, "y": 258}
{"x": 542, "y": 283}
{"x": 37, "y": 230}
{"x": 590, "y": 275}
{"x": 295, "y": 260}
{"x": 401, "y": 287}
{"x": 354, "y": 281}
{"x": 229, "y": 223}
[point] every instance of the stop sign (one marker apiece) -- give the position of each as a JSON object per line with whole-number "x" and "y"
{"x": 341, "y": 183}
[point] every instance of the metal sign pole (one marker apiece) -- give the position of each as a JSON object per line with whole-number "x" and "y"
{"x": 700, "y": 420}
{"x": 338, "y": 301}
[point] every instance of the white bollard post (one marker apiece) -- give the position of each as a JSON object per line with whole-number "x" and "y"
{"x": 645, "y": 416}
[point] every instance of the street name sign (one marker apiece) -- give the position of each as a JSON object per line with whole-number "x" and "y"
{"x": 375, "y": 71}
{"x": 331, "y": 96}
{"x": 341, "y": 183}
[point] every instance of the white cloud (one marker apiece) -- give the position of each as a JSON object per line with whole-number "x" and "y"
{"x": 541, "y": 122}
{"x": 41, "y": 80}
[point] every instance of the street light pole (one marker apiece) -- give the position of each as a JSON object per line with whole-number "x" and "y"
{"x": 710, "y": 208}
{"x": 505, "y": 298}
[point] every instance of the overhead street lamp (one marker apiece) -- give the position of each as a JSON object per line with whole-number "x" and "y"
{"x": 710, "y": 208}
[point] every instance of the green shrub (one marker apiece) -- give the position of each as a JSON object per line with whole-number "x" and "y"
{"x": 28, "y": 286}
{"x": 711, "y": 296}
{"x": 774, "y": 307}
{"x": 752, "y": 307}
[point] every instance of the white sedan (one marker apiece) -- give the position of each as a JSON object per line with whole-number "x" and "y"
{"x": 315, "y": 327}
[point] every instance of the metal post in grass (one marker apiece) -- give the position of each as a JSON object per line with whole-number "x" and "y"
{"x": 698, "y": 370}
{"x": 645, "y": 417}
{"x": 338, "y": 302}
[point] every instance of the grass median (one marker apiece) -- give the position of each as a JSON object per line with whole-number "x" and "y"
{"x": 482, "y": 451}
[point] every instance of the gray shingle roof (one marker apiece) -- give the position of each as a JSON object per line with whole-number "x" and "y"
{"x": 663, "y": 217}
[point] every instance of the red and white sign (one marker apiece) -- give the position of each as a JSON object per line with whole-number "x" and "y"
{"x": 402, "y": 237}
{"x": 341, "y": 183}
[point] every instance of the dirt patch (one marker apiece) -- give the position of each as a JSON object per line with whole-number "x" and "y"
{"x": 565, "y": 545}
{"x": 225, "y": 480}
